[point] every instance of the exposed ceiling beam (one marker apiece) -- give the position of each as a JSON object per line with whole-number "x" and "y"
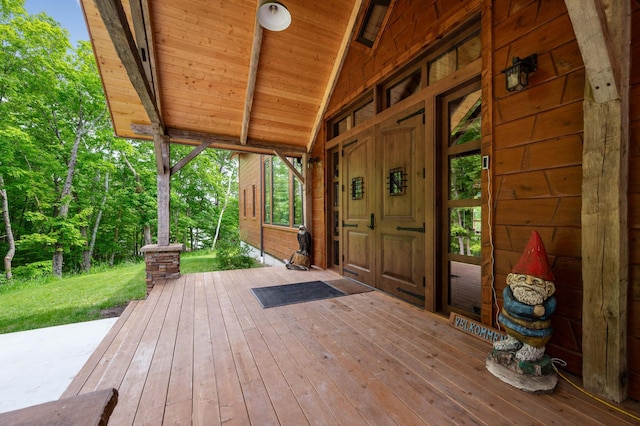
{"x": 256, "y": 46}
{"x": 221, "y": 141}
{"x": 335, "y": 72}
{"x": 144, "y": 40}
{"x": 115, "y": 21}
{"x": 598, "y": 54}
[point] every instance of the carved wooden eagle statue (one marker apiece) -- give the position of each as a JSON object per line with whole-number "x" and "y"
{"x": 304, "y": 241}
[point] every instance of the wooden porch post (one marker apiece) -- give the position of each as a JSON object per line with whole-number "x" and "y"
{"x": 602, "y": 29}
{"x": 162, "y": 150}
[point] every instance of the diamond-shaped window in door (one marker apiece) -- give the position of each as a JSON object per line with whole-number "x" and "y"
{"x": 397, "y": 181}
{"x": 357, "y": 188}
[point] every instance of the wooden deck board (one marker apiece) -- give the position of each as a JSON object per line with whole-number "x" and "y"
{"x": 201, "y": 350}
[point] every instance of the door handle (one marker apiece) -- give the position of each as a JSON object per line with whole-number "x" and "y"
{"x": 372, "y": 222}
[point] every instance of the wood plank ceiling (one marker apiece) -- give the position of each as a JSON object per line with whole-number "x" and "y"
{"x": 197, "y": 58}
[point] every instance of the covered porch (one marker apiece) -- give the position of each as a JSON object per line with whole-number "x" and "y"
{"x": 201, "y": 350}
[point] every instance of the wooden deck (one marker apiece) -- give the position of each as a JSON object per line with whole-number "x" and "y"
{"x": 201, "y": 350}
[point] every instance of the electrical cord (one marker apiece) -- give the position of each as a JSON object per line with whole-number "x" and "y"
{"x": 563, "y": 363}
{"x": 493, "y": 260}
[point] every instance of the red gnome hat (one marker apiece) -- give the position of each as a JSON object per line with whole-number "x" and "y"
{"x": 534, "y": 260}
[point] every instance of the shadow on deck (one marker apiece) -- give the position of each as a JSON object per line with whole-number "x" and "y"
{"x": 201, "y": 350}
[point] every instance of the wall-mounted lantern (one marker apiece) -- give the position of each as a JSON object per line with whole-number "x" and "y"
{"x": 517, "y": 75}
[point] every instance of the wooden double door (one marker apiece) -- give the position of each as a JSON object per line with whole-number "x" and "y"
{"x": 383, "y": 218}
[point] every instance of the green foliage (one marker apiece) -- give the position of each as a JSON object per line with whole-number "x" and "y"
{"x": 231, "y": 254}
{"x": 55, "y": 133}
{"x": 33, "y": 271}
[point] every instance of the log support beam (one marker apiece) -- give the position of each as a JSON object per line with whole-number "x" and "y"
{"x": 602, "y": 29}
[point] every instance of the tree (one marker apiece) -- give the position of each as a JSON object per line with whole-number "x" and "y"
{"x": 26, "y": 44}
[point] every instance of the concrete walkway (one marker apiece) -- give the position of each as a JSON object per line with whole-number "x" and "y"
{"x": 37, "y": 365}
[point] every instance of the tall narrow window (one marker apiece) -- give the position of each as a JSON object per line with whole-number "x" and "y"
{"x": 461, "y": 192}
{"x": 283, "y": 193}
{"x": 253, "y": 202}
{"x": 268, "y": 190}
{"x": 244, "y": 202}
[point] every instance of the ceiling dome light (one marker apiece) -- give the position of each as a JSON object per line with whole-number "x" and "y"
{"x": 274, "y": 16}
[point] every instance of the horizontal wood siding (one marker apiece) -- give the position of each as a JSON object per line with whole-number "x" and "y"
{"x": 537, "y": 155}
{"x": 634, "y": 210}
{"x": 249, "y": 178}
{"x": 280, "y": 241}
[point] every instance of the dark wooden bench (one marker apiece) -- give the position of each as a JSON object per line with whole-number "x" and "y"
{"x": 93, "y": 408}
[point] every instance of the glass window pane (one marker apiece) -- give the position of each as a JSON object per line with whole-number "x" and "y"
{"x": 297, "y": 203}
{"x": 280, "y": 214}
{"x": 469, "y": 51}
{"x": 465, "y": 231}
{"x": 442, "y": 66}
{"x": 267, "y": 190}
{"x": 403, "y": 89}
{"x": 465, "y": 287}
{"x": 363, "y": 113}
{"x": 465, "y": 119}
{"x": 465, "y": 177}
{"x": 339, "y": 127}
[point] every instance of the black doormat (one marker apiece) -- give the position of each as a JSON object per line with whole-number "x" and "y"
{"x": 288, "y": 294}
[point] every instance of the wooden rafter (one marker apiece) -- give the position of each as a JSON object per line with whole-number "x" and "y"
{"x": 290, "y": 166}
{"x": 144, "y": 41}
{"x": 115, "y": 21}
{"x": 220, "y": 141}
{"x": 598, "y": 54}
{"x": 187, "y": 158}
{"x": 256, "y": 46}
{"x": 335, "y": 72}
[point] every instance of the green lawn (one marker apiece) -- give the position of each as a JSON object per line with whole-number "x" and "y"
{"x": 36, "y": 304}
{"x": 25, "y": 305}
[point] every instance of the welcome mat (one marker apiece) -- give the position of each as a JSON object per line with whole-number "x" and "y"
{"x": 288, "y": 294}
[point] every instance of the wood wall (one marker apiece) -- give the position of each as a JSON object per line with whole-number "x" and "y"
{"x": 534, "y": 138}
{"x": 249, "y": 177}
{"x": 537, "y": 155}
{"x": 278, "y": 241}
{"x": 412, "y": 26}
{"x": 634, "y": 210}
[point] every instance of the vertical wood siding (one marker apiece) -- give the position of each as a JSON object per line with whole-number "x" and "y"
{"x": 634, "y": 210}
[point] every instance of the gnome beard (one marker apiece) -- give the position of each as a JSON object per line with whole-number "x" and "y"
{"x": 526, "y": 295}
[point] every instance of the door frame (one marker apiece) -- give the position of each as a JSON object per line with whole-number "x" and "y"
{"x": 429, "y": 97}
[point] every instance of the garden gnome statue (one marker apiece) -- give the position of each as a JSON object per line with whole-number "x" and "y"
{"x": 527, "y": 308}
{"x": 301, "y": 259}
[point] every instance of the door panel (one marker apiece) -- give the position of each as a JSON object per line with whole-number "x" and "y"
{"x": 399, "y": 220}
{"x": 358, "y": 192}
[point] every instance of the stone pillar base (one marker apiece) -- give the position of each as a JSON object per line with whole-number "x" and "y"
{"x": 162, "y": 262}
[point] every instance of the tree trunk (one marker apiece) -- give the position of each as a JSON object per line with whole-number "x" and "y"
{"x": 8, "y": 258}
{"x": 94, "y": 232}
{"x": 224, "y": 206}
{"x": 64, "y": 199}
{"x": 86, "y": 255}
{"x": 147, "y": 235}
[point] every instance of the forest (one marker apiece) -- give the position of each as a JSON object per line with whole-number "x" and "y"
{"x": 73, "y": 195}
